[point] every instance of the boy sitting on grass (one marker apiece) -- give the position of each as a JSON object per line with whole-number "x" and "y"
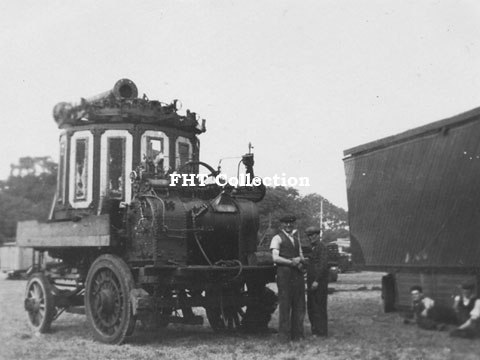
{"x": 426, "y": 314}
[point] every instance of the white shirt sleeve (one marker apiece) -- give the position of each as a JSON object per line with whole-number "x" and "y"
{"x": 275, "y": 243}
{"x": 428, "y": 303}
{"x": 475, "y": 313}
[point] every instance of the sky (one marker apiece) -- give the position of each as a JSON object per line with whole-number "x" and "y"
{"x": 300, "y": 80}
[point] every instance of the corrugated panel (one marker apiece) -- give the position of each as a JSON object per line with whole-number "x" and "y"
{"x": 417, "y": 203}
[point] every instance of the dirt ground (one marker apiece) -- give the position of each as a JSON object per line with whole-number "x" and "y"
{"x": 358, "y": 330}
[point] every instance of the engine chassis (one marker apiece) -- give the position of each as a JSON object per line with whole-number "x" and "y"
{"x": 232, "y": 296}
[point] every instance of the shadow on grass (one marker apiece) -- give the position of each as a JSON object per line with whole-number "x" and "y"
{"x": 191, "y": 336}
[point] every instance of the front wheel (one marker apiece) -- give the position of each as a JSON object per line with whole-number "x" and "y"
{"x": 107, "y": 299}
{"x": 39, "y": 303}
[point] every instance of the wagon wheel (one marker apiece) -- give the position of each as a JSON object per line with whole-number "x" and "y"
{"x": 39, "y": 303}
{"x": 107, "y": 299}
{"x": 224, "y": 316}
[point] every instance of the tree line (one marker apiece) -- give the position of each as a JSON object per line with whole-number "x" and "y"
{"x": 27, "y": 194}
{"x": 281, "y": 201}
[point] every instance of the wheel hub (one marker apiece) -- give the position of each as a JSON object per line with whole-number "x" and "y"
{"x": 32, "y": 305}
{"x": 107, "y": 301}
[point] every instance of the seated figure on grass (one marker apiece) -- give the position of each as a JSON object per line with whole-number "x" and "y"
{"x": 467, "y": 309}
{"x": 428, "y": 315}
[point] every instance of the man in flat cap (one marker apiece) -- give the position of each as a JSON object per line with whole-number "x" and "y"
{"x": 467, "y": 308}
{"x": 317, "y": 283}
{"x": 287, "y": 255}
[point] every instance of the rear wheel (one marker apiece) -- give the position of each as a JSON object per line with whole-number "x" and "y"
{"x": 224, "y": 314}
{"x": 107, "y": 299}
{"x": 39, "y": 303}
{"x": 228, "y": 316}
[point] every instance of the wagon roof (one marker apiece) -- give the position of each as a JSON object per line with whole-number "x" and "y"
{"x": 437, "y": 126}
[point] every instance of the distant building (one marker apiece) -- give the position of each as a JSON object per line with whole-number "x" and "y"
{"x": 32, "y": 166}
{"x": 343, "y": 243}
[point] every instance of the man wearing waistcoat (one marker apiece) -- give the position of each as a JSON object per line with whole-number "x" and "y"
{"x": 467, "y": 308}
{"x": 287, "y": 255}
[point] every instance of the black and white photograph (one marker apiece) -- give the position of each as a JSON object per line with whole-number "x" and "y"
{"x": 240, "y": 179}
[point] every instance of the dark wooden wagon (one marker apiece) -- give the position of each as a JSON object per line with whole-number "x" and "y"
{"x": 414, "y": 207}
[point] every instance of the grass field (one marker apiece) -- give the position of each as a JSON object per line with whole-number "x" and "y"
{"x": 358, "y": 330}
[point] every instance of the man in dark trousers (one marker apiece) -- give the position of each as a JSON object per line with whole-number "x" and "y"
{"x": 317, "y": 283}
{"x": 287, "y": 255}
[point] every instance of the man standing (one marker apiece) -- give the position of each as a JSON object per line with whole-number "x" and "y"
{"x": 317, "y": 283}
{"x": 287, "y": 255}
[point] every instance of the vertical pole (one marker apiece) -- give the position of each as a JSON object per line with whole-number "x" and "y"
{"x": 321, "y": 219}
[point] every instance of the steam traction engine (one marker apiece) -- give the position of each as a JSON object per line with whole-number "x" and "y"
{"x": 129, "y": 246}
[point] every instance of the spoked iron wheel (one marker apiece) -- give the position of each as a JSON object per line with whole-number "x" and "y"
{"x": 39, "y": 303}
{"x": 224, "y": 315}
{"x": 107, "y": 299}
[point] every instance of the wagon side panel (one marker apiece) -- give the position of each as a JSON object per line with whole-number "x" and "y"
{"x": 417, "y": 203}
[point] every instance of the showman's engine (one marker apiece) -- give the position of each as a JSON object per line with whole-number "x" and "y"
{"x": 131, "y": 244}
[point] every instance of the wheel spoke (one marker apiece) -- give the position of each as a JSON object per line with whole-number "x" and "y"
{"x": 36, "y": 291}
